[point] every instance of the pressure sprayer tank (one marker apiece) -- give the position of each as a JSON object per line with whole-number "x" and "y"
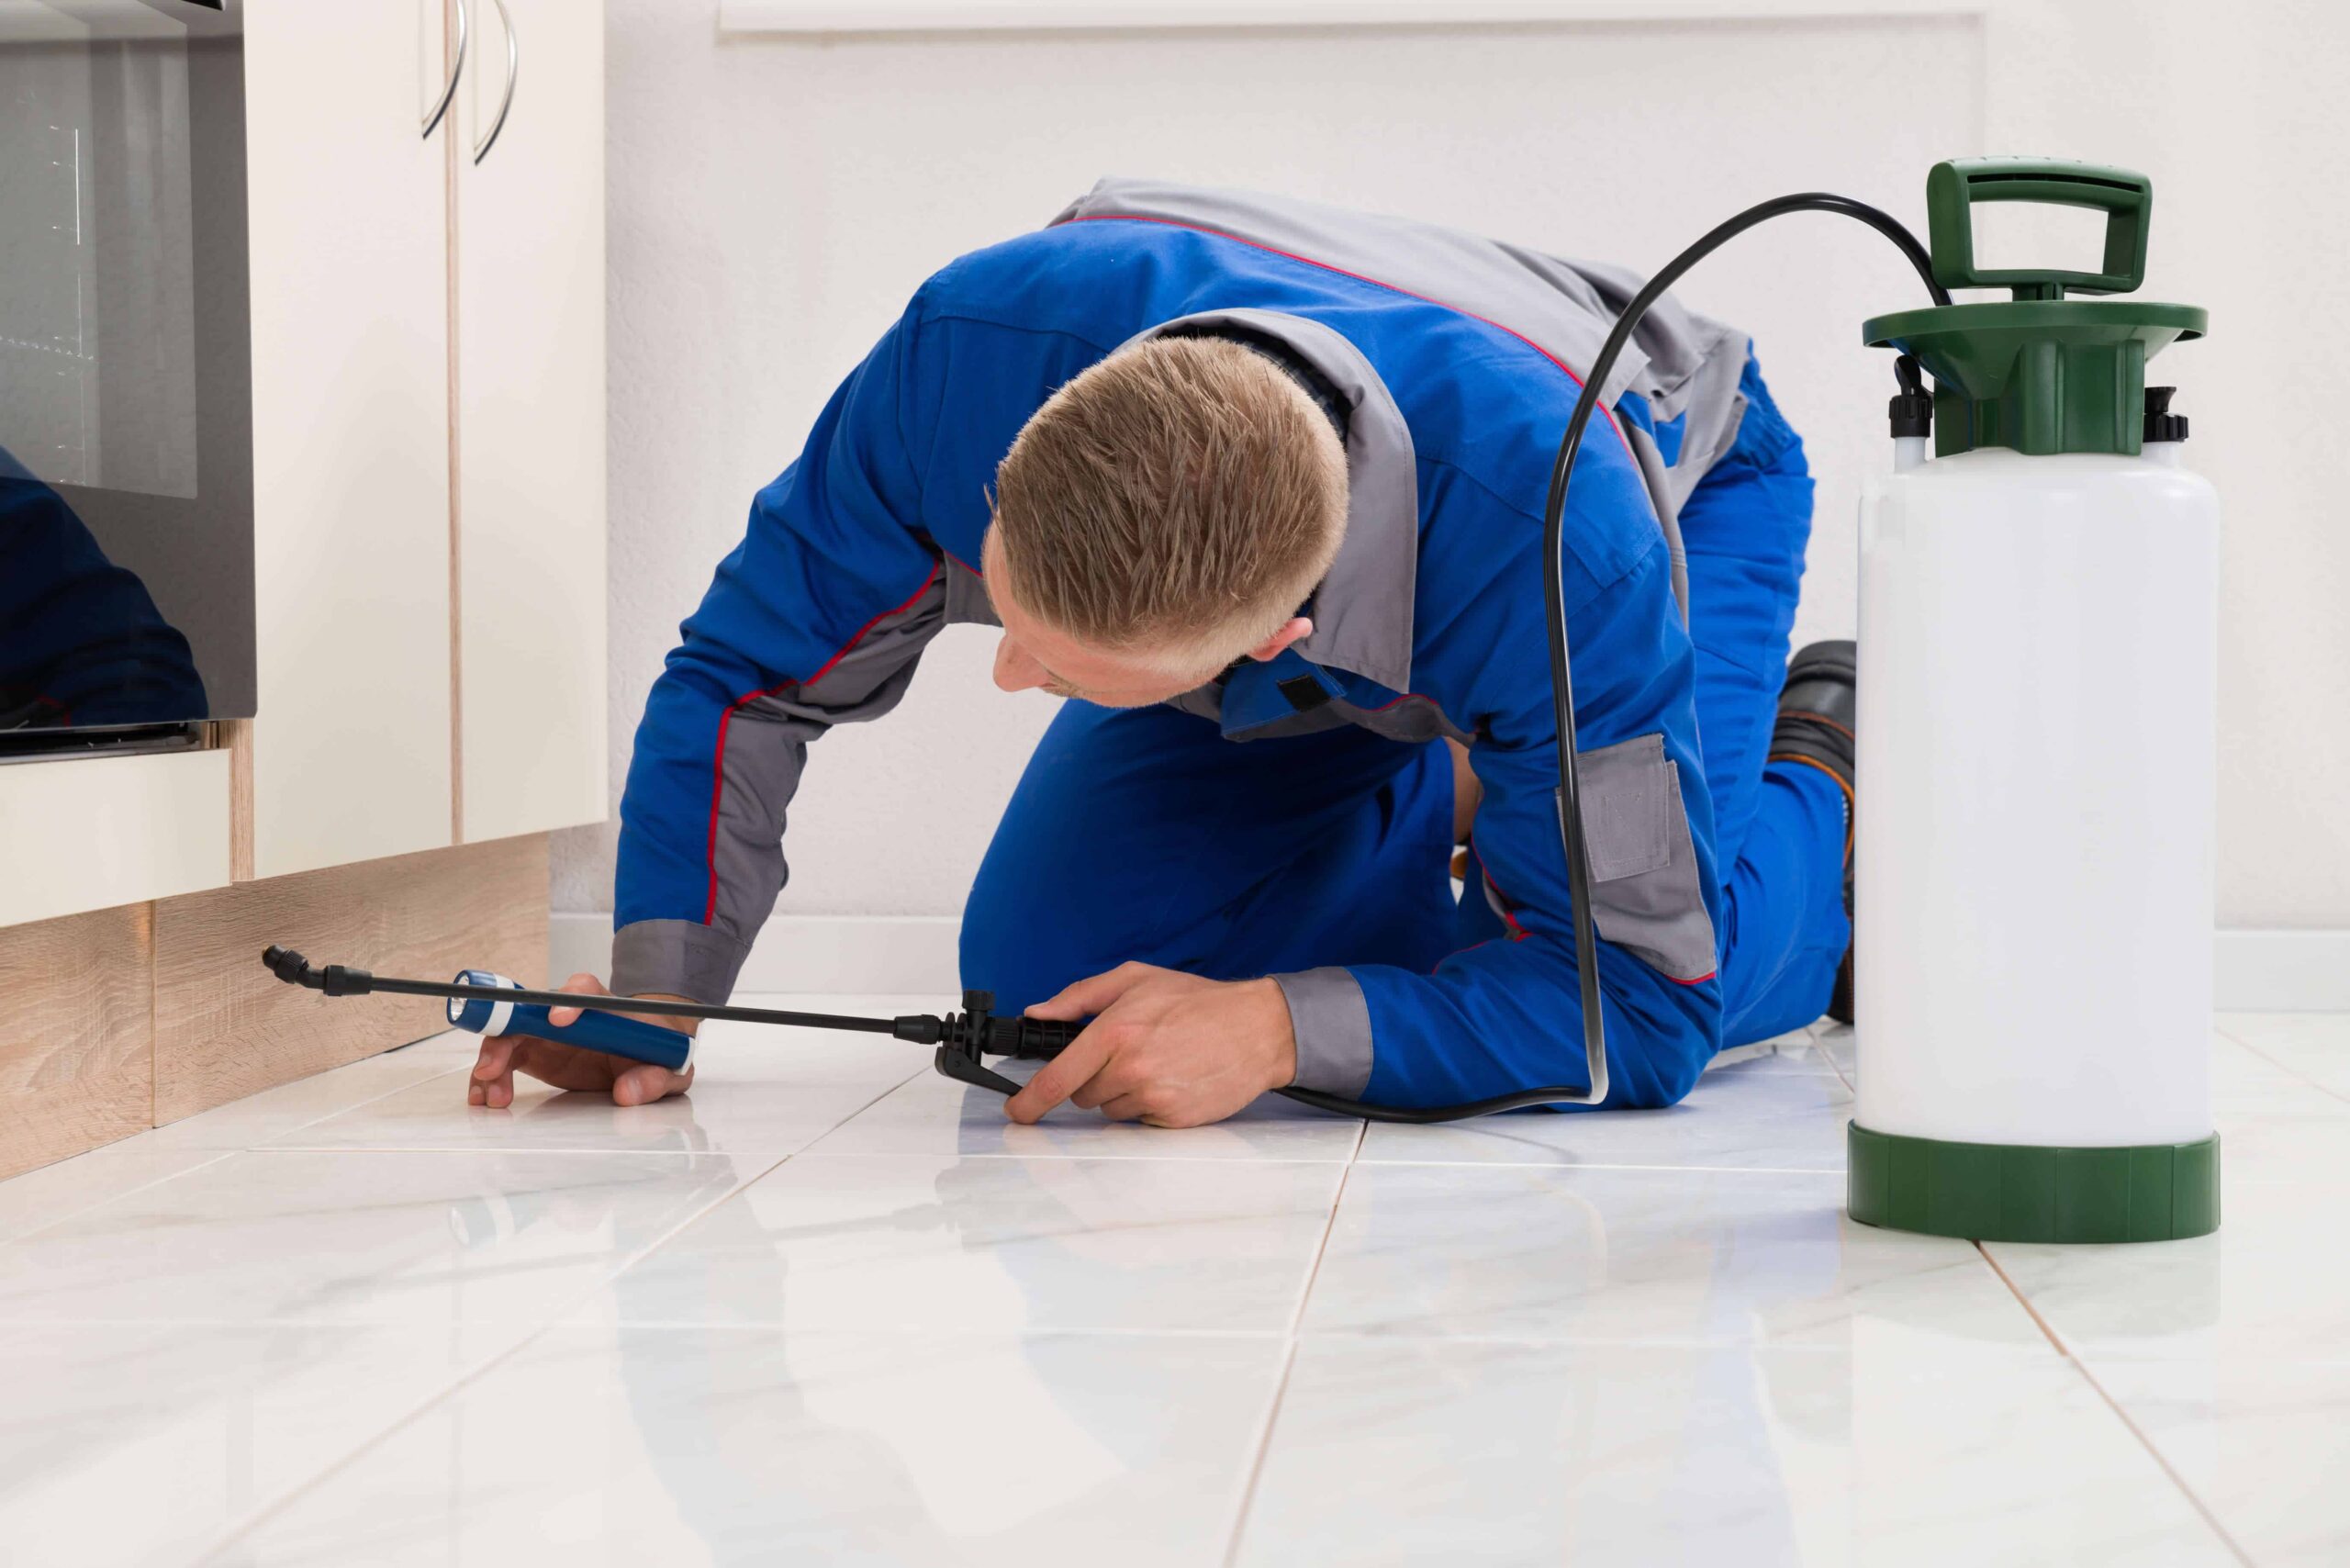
{"x": 2033, "y": 892}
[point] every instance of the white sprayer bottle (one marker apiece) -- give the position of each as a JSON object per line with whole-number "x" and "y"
{"x": 2033, "y": 872}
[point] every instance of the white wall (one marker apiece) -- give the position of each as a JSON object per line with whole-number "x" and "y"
{"x": 774, "y": 201}
{"x": 2237, "y": 112}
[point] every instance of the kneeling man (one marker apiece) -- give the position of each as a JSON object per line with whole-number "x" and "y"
{"x": 1256, "y": 486}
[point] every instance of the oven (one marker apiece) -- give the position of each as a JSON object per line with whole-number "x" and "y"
{"x": 125, "y": 427}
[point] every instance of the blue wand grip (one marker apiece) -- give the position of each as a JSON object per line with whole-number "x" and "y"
{"x": 606, "y": 1032}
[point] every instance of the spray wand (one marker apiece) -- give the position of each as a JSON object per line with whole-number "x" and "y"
{"x": 485, "y": 1003}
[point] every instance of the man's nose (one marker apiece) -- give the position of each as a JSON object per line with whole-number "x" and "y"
{"x": 1014, "y": 670}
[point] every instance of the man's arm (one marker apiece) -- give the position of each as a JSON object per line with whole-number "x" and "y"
{"x": 817, "y": 617}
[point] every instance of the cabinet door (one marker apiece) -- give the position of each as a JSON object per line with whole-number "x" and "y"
{"x": 530, "y": 245}
{"x": 350, "y": 749}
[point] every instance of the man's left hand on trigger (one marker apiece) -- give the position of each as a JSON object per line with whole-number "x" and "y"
{"x": 1164, "y": 1048}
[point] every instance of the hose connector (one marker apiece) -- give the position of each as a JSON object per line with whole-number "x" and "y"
{"x": 1911, "y": 410}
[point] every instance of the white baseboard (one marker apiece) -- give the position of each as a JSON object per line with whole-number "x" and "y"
{"x": 2254, "y": 971}
{"x": 2283, "y": 971}
{"x": 886, "y": 955}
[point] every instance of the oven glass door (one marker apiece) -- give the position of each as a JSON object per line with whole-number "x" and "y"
{"x": 125, "y": 439}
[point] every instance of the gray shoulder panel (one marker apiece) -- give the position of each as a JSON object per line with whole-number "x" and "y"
{"x": 968, "y": 604}
{"x": 1564, "y": 306}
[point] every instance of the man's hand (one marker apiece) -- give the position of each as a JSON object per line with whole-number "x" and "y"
{"x": 1168, "y": 1048}
{"x": 569, "y": 1066}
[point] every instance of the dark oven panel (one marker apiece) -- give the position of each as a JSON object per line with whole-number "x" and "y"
{"x": 126, "y": 423}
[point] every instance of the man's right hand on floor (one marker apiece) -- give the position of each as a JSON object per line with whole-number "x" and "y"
{"x": 569, "y": 1066}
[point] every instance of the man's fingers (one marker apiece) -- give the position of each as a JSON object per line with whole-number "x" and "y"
{"x": 567, "y": 1067}
{"x": 563, "y": 1017}
{"x": 1116, "y": 1078}
{"x": 490, "y": 1065}
{"x": 1061, "y": 1076}
{"x": 647, "y": 1081}
{"x": 1092, "y": 994}
{"x": 497, "y": 1056}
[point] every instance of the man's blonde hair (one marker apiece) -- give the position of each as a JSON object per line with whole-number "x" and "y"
{"x": 1180, "y": 499}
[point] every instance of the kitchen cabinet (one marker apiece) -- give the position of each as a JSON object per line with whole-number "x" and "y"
{"x": 427, "y": 363}
{"x": 350, "y": 757}
{"x": 530, "y": 375}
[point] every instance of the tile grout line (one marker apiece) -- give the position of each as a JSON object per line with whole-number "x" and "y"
{"x": 2288, "y": 1068}
{"x": 342, "y": 1110}
{"x": 214, "y": 1156}
{"x": 1331, "y": 1160}
{"x": 1577, "y": 1165}
{"x": 1289, "y": 1357}
{"x": 255, "y": 1520}
{"x": 1837, "y": 1067}
{"x": 527, "y": 1148}
{"x": 2153, "y": 1452}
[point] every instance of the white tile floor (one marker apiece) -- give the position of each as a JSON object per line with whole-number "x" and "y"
{"x": 833, "y": 1308}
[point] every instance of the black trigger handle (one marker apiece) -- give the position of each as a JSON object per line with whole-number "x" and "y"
{"x": 963, "y": 1069}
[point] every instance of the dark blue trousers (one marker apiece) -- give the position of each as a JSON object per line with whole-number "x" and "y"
{"x": 1142, "y": 833}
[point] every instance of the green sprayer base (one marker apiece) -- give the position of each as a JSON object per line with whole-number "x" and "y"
{"x": 2005, "y": 1192}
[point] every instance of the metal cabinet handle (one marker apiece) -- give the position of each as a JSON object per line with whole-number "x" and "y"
{"x": 513, "y": 65}
{"x": 457, "y": 66}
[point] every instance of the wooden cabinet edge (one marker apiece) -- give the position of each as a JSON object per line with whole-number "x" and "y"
{"x": 236, "y": 736}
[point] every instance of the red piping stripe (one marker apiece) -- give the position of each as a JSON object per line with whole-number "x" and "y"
{"x": 1409, "y": 697}
{"x": 718, "y": 761}
{"x": 1501, "y": 902}
{"x": 1359, "y": 277}
{"x": 1518, "y": 933}
{"x": 1456, "y": 953}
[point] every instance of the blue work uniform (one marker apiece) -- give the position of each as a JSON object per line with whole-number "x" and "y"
{"x": 1293, "y": 818}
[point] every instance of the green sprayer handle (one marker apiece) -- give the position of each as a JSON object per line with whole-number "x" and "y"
{"x": 1955, "y": 186}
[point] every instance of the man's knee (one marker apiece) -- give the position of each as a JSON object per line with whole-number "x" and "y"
{"x": 1007, "y": 946}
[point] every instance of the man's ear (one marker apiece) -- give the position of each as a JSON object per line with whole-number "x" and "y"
{"x": 1295, "y": 629}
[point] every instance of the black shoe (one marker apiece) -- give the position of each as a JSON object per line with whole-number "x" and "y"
{"x": 1817, "y": 710}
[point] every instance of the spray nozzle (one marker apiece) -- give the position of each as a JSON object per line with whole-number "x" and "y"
{"x": 335, "y": 979}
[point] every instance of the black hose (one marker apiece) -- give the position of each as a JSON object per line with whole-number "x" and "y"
{"x": 1562, "y": 689}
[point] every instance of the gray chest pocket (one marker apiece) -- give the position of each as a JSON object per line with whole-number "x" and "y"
{"x": 1646, "y": 895}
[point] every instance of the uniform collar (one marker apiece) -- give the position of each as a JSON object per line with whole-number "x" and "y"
{"x": 1362, "y": 608}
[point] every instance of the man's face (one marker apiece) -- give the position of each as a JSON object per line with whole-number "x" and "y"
{"x": 1033, "y": 657}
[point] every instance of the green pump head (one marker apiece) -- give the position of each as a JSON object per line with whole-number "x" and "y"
{"x": 2039, "y": 373}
